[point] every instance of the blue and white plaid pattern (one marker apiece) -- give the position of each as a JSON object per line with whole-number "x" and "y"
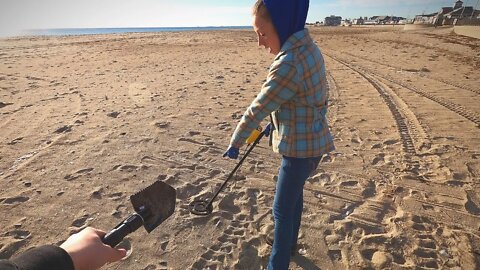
{"x": 296, "y": 91}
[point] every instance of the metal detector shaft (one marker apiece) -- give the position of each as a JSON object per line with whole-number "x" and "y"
{"x": 272, "y": 127}
{"x": 236, "y": 168}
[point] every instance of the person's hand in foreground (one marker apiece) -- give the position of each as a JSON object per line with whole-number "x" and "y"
{"x": 89, "y": 252}
{"x": 232, "y": 152}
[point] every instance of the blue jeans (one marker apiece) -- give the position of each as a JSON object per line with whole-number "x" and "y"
{"x": 288, "y": 207}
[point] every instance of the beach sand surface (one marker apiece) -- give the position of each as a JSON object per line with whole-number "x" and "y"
{"x": 86, "y": 121}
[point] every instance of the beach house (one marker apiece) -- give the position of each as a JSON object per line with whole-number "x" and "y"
{"x": 333, "y": 20}
{"x": 425, "y": 19}
{"x": 452, "y": 15}
{"x": 358, "y": 21}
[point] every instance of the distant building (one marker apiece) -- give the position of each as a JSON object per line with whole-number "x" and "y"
{"x": 398, "y": 20}
{"x": 333, "y": 20}
{"x": 369, "y": 22}
{"x": 459, "y": 14}
{"x": 425, "y": 18}
{"x": 389, "y": 19}
{"x": 358, "y": 21}
{"x": 383, "y": 20}
{"x": 448, "y": 15}
{"x": 346, "y": 22}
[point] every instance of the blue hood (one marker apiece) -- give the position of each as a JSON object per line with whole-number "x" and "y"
{"x": 288, "y": 16}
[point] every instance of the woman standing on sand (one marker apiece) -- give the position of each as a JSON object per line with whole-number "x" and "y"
{"x": 296, "y": 92}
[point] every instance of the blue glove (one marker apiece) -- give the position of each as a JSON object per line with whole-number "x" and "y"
{"x": 267, "y": 129}
{"x": 232, "y": 152}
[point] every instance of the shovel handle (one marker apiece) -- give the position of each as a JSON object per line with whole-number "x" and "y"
{"x": 129, "y": 225}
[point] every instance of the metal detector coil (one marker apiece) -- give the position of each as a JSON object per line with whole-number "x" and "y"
{"x": 201, "y": 207}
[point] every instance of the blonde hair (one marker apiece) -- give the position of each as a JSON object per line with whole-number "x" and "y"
{"x": 259, "y": 9}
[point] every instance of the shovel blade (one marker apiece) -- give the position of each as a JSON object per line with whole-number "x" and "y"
{"x": 155, "y": 204}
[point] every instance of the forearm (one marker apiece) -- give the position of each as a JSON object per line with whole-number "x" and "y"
{"x": 44, "y": 257}
{"x": 250, "y": 120}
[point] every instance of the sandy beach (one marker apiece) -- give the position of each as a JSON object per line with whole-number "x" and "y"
{"x": 86, "y": 121}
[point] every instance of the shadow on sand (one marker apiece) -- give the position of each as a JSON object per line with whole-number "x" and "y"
{"x": 304, "y": 263}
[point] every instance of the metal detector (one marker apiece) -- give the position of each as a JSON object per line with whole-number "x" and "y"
{"x": 205, "y": 207}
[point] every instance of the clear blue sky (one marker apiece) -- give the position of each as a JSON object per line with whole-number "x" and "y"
{"x": 39, "y": 14}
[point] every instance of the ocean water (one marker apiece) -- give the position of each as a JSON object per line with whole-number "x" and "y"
{"x": 97, "y": 31}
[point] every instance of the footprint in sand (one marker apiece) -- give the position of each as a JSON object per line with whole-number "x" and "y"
{"x": 126, "y": 168}
{"x": 161, "y": 126}
{"x": 370, "y": 190}
{"x": 455, "y": 183}
{"x": 189, "y": 190}
{"x": 81, "y": 222}
{"x": 335, "y": 255}
{"x": 193, "y": 133}
{"x": 18, "y": 234}
{"x": 15, "y": 141}
{"x": 356, "y": 139}
{"x": 116, "y": 196}
{"x": 227, "y": 204}
{"x": 256, "y": 166}
{"x": 4, "y": 104}
{"x": 322, "y": 177}
{"x": 249, "y": 257}
{"x": 77, "y": 174}
{"x": 64, "y": 129}
{"x": 328, "y": 158}
{"x": 14, "y": 200}
{"x": 351, "y": 183}
{"x": 164, "y": 245}
{"x": 473, "y": 202}
{"x": 391, "y": 142}
{"x": 119, "y": 211}
{"x": 425, "y": 247}
{"x": 113, "y": 114}
{"x": 97, "y": 193}
{"x": 379, "y": 159}
{"x": 224, "y": 126}
{"x": 10, "y": 245}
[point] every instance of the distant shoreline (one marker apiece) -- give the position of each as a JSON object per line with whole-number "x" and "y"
{"x": 102, "y": 31}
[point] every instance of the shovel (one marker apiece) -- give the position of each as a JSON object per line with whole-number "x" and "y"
{"x": 152, "y": 206}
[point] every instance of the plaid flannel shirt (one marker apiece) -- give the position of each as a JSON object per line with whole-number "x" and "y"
{"x": 296, "y": 91}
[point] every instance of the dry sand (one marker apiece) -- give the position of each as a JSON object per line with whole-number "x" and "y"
{"x": 87, "y": 121}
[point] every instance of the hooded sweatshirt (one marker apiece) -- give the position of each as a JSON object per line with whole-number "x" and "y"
{"x": 288, "y": 16}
